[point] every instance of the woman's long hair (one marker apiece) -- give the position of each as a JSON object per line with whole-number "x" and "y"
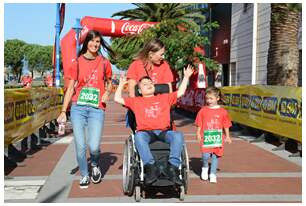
{"x": 152, "y": 46}
{"x": 91, "y": 35}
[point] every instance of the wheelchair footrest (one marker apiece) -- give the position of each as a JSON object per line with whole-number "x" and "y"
{"x": 162, "y": 182}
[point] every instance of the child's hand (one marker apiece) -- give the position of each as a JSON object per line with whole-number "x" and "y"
{"x": 123, "y": 80}
{"x": 228, "y": 140}
{"x": 199, "y": 138}
{"x": 188, "y": 71}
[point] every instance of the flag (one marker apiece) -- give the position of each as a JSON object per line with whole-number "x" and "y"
{"x": 62, "y": 18}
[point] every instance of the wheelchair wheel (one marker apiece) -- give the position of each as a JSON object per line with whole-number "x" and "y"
{"x": 137, "y": 193}
{"x": 182, "y": 193}
{"x": 128, "y": 176}
{"x": 185, "y": 169}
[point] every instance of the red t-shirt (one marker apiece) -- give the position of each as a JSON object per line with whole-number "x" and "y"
{"x": 91, "y": 74}
{"x": 160, "y": 74}
{"x": 152, "y": 113}
{"x": 211, "y": 119}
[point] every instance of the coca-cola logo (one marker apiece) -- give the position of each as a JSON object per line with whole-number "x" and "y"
{"x": 128, "y": 28}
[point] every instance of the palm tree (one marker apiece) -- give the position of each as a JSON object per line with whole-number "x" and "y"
{"x": 283, "y": 56}
{"x": 172, "y": 17}
{"x": 162, "y": 11}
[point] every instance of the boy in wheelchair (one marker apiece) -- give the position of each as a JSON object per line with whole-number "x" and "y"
{"x": 152, "y": 114}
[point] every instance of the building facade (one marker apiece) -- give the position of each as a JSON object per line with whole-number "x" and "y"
{"x": 243, "y": 70}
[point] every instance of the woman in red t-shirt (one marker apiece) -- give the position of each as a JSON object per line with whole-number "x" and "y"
{"x": 89, "y": 88}
{"x": 150, "y": 62}
{"x": 212, "y": 122}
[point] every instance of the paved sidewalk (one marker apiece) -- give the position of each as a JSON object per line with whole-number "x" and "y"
{"x": 248, "y": 172}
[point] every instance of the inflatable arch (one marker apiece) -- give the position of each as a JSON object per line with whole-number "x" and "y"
{"x": 107, "y": 27}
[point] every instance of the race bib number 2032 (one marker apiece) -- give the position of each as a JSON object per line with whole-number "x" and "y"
{"x": 89, "y": 96}
{"x": 212, "y": 138}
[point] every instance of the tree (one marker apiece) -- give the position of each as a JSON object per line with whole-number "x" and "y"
{"x": 177, "y": 29}
{"x": 39, "y": 57}
{"x": 13, "y": 55}
{"x": 162, "y": 11}
{"x": 283, "y": 56}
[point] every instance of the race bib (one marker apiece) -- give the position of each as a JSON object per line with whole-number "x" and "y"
{"x": 212, "y": 138}
{"x": 89, "y": 96}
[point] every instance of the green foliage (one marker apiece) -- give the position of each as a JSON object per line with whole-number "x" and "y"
{"x": 177, "y": 29}
{"x": 13, "y": 54}
{"x": 179, "y": 45}
{"x": 157, "y": 12}
{"x": 280, "y": 14}
{"x": 39, "y": 57}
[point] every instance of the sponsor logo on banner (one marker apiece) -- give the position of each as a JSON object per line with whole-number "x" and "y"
{"x": 275, "y": 109}
{"x": 113, "y": 27}
{"x": 128, "y": 28}
{"x": 26, "y": 110}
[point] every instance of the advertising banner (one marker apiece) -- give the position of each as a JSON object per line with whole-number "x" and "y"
{"x": 276, "y": 109}
{"x": 26, "y": 110}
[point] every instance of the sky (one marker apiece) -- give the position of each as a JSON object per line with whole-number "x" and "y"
{"x": 34, "y": 23}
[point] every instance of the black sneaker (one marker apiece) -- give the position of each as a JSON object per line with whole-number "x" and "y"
{"x": 173, "y": 174}
{"x": 95, "y": 174}
{"x": 84, "y": 182}
{"x": 151, "y": 173}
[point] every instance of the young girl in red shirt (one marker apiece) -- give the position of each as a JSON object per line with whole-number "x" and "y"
{"x": 213, "y": 125}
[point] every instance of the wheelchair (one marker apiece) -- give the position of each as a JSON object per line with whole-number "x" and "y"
{"x": 133, "y": 169}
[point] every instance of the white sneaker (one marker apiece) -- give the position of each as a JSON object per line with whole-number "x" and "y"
{"x": 204, "y": 173}
{"x": 212, "y": 178}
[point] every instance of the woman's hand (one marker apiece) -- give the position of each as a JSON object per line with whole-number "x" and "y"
{"x": 62, "y": 117}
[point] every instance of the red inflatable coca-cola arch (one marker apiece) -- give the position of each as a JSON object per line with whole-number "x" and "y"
{"x": 108, "y": 27}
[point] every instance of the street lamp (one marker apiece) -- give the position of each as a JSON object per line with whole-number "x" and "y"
{"x": 77, "y": 28}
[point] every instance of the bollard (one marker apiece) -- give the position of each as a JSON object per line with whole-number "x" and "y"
{"x": 42, "y": 133}
{"x": 261, "y": 138}
{"x": 16, "y": 156}
{"x": 35, "y": 142}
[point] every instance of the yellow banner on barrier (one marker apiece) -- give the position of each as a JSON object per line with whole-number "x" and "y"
{"x": 276, "y": 109}
{"x": 26, "y": 110}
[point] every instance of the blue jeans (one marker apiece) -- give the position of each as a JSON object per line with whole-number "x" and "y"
{"x": 174, "y": 138}
{"x": 93, "y": 119}
{"x": 213, "y": 164}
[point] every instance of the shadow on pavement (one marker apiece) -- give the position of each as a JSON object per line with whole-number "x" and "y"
{"x": 195, "y": 165}
{"x": 106, "y": 160}
{"x": 53, "y": 196}
{"x": 161, "y": 192}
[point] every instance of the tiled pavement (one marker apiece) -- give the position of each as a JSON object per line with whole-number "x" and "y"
{"x": 248, "y": 172}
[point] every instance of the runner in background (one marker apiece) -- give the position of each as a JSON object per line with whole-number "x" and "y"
{"x": 213, "y": 125}
{"x": 89, "y": 88}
